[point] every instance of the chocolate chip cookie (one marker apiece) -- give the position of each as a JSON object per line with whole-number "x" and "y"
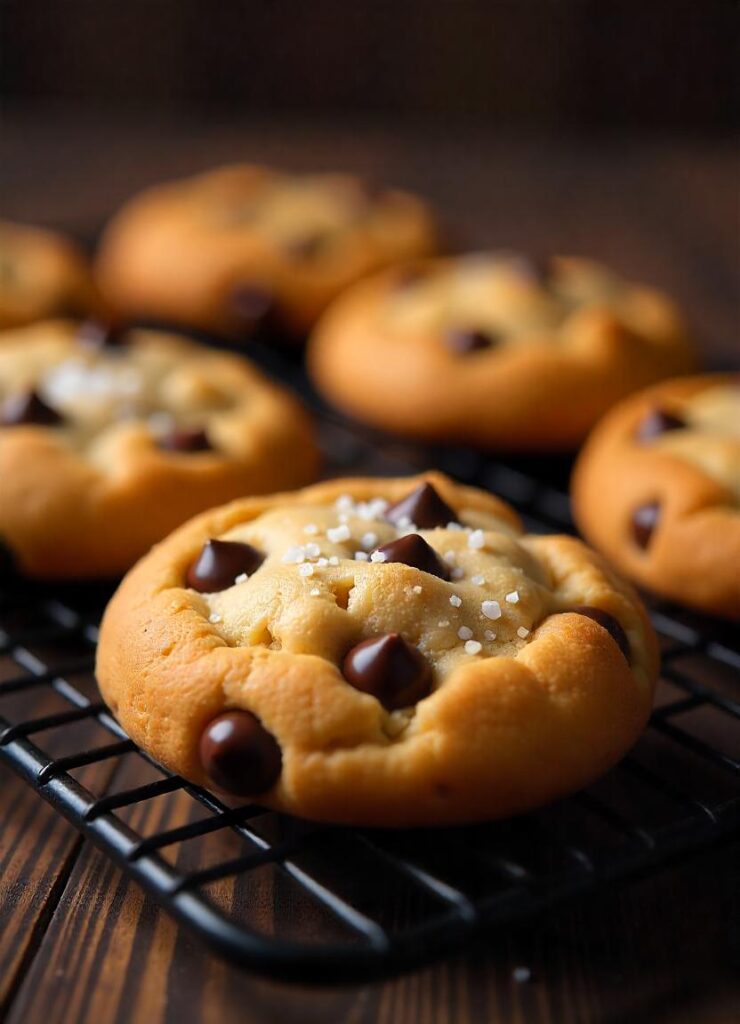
{"x": 379, "y": 651}
{"x": 494, "y": 350}
{"x": 657, "y": 489}
{"x": 110, "y": 439}
{"x": 245, "y": 251}
{"x": 42, "y": 274}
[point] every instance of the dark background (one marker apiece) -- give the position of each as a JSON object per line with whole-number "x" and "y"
{"x": 641, "y": 65}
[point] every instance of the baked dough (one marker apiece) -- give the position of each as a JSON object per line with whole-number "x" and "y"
{"x": 277, "y": 648}
{"x": 657, "y": 489}
{"x": 109, "y": 440}
{"x": 494, "y": 350}
{"x": 244, "y": 250}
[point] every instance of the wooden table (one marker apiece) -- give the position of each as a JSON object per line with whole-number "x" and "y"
{"x": 78, "y": 943}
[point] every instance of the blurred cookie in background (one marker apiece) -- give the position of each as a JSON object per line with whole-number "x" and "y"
{"x": 42, "y": 274}
{"x": 495, "y": 349}
{"x": 109, "y": 439}
{"x": 246, "y": 251}
{"x": 657, "y": 489}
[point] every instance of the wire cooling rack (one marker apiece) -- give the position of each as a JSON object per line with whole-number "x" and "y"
{"x": 323, "y": 903}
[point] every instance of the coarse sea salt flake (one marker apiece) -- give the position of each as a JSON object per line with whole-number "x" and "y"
{"x": 312, "y": 550}
{"x": 369, "y": 540}
{"x": 315, "y": 592}
{"x": 465, "y": 633}
{"x": 377, "y": 556}
{"x": 455, "y": 601}
{"x": 416, "y": 589}
{"x": 443, "y": 623}
{"x": 491, "y": 609}
{"x": 473, "y": 647}
{"x": 306, "y": 569}
{"x": 522, "y": 632}
{"x": 295, "y": 554}
{"x": 311, "y": 529}
{"x": 338, "y": 533}
{"x": 362, "y": 556}
{"x": 241, "y": 578}
{"x": 476, "y": 539}
{"x": 214, "y": 618}
{"x": 489, "y": 634}
{"x": 513, "y": 597}
{"x": 334, "y": 560}
{"x": 478, "y": 580}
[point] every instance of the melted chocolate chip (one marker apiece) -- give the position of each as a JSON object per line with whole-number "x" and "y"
{"x": 254, "y": 309}
{"x": 219, "y": 563}
{"x": 390, "y": 669}
{"x": 184, "y": 439}
{"x": 98, "y": 335}
{"x": 239, "y": 754}
{"x": 29, "y": 409}
{"x": 657, "y": 422}
{"x": 462, "y": 340}
{"x": 609, "y": 623}
{"x": 423, "y": 507}
{"x": 644, "y": 520}
{"x": 413, "y": 550}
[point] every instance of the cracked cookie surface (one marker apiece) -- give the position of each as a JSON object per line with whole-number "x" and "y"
{"x": 109, "y": 439}
{"x": 249, "y": 251}
{"x": 324, "y": 652}
{"x": 657, "y": 489}
{"x": 494, "y": 349}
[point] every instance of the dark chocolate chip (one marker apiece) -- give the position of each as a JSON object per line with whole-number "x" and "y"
{"x": 307, "y": 247}
{"x": 29, "y": 409}
{"x": 609, "y": 623}
{"x": 463, "y": 340}
{"x": 413, "y": 550}
{"x": 239, "y": 754}
{"x": 657, "y": 422}
{"x": 423, "y": 507}
{"x": 220, "y": 562}
{"x": 254, "y": 308}
{"x": 390, "y": 669}
{"x": 184, "y": 439}
{"x": 98, "y": 335}
{"x": 644, "y": 520}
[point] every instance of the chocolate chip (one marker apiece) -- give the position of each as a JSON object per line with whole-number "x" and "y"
{"x": 239, "y": 754}
{"x": 657, "y": 422}
{"x": 644, "y": 520}
{"x": 184, "y": 439}
{"x": 307, "y": 247}
{"x": 413, "y": 550}
{"x": 423, "y": 507}
{"x": 97, "y": 335}
{"x": 254, "y": 308}
{"x": 390, "y": 669}
{"x": 220, "y": 562}
{"x": 29, "y": 409}
{"x": 609, "y": 623}
{"x": 463, "y": 340}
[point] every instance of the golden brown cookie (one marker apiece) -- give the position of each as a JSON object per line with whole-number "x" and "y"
{"x": 494, "y": 350}
{"x": 242, "y": 248}
{"x": 108, "y": 440}
{"x": 42, "y": 274}
{"x": 657, "y": 489}
{"x": 378, "y": 651}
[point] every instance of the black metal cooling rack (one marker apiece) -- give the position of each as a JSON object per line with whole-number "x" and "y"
{"x": 322, "y": 903}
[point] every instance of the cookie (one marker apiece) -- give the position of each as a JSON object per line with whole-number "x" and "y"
{"x": 42, "y": 274}
{"x": 494, "y": 350}
{"x": 109, "y": 439}
{"x": 386, "y": 652}
{"x": 657, "y": 489}
{"x": 244, "y": 250}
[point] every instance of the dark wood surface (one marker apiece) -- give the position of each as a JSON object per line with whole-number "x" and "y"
{"x": 78, "y": 943}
